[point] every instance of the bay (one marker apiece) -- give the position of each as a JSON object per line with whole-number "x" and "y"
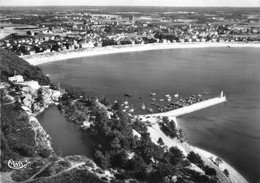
{"x": 230, "y": 130}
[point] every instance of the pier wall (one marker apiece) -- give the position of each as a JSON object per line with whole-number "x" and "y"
{"x": 191, "y": 108}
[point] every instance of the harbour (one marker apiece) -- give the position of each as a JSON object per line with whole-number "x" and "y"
{"x": 191, "y": 108}
{"x": 229, "y": 126}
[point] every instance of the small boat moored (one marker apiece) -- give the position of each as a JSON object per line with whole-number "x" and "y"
{"x": 126, "y": 102}
{"x": 132, "y": 109}
{"x": 150, "y": 110}
{"x": 143, "y": 107}
{"x": 168, "y": 96}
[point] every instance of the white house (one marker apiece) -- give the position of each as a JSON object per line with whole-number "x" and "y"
{"x": 33, "y": 84}
{"x": 16, "y": 79}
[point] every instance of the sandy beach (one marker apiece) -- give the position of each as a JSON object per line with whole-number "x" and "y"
{"x": 42, "y": 58}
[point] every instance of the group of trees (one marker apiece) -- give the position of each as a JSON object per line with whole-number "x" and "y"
{"x": 108, "y": 42}
{"x": 169, "y": 128}
{"x": 162, "y": 36}
{"x": 114, "y": 146}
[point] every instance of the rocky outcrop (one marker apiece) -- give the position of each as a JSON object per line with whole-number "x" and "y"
{"x": 33, "y": 103}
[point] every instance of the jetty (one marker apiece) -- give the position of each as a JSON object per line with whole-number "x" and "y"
{"x": 191, "y": 108}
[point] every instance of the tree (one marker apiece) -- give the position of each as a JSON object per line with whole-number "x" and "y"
{"x": 160, "y": 141}
{"x": 101, "y": 160}
{"x": 116, "y": 106}
{"x": 196, "y": 159}
{"x": 115, "y": 144}
{"x": 118, "y": 159}
{"x": 163, "y": 169}
{"x": 39, "y": 96}
{"x": 17, "y": 105}
{"x": 104, "y": 101}
{"x": 24, "y": 150}
{"x": 210, "y": 171}
{"x": 176, "y": 155}
{"x": 44, "y": 153}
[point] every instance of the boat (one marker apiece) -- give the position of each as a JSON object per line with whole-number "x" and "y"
{"x": 161, "y": 99}
{"x": 176, "y": 95}
{"x": 124, "y": 110}
{"x": 126, "y": 107}
{"x": 206, "y": 93}
{"x": 153, "y": 99}
{"x": 115, "y": 101}
{"x": 199, "y": 95}
{"x": 160, "y": 109}
{"x": 126, "y": 102}
{"x": 169, "y": 99}
{"x": 132, "y": 109}
{"x": 152, "y": 94}
{"x": 143, "y": 107}
{"x": 150, "y": 110}
{"x": 168, "y": 96}
{"x": 127, "y": 95}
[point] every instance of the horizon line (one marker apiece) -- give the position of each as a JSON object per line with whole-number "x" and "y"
{"x": 133, "y": 6}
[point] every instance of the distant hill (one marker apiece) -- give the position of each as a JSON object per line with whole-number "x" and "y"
{"x": 11, "y": 64}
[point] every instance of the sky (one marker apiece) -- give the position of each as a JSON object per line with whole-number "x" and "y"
{"x": 189, "y": 3}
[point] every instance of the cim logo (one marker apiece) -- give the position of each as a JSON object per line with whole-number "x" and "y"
{"x": 17, "y": 164}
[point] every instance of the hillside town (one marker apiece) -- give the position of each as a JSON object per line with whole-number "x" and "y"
{"x": 56, "y": 30}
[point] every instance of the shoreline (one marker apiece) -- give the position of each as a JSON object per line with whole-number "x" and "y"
{"x": 234, "y": 175}
{"x": 185, "y": 147}
{"x": 43, "y": 58}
